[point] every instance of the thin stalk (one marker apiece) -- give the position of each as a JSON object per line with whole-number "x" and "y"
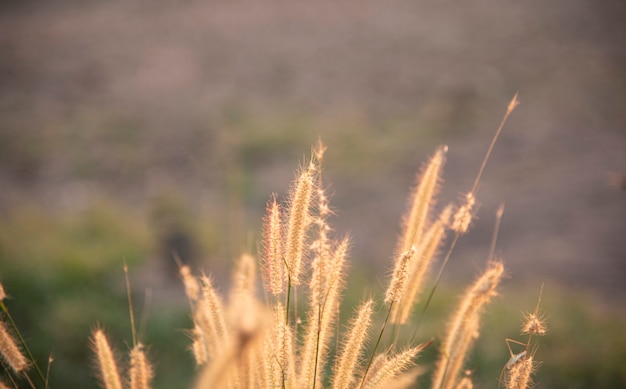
{"x": 317, "y": 344}
{"x": 288, "y": 300}
{"x": 382, "y": 330}
{"x": 514, "y": 102}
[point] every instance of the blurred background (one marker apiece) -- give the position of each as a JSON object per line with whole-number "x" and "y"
{"x": 131, "y": 130}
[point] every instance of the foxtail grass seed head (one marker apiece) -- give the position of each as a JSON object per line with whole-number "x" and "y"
{"x": 465, "y": 319}
{"x": 210, "y": 317}
{"x": 534, "y": 325}
{"x": 425, "y": 256}
{"x": 520, "y": 374}
{"x": 198, "y": 347}
{"x": 390, "y": 367}
{"x": 273, "y": 263}
{"x": 140, "y": 369}
{"x": 108, "y": 368}
{"x": 400, "y": 276}
{"x": 463, "y": 216}
{"x": 192, "y": 287}
{"x": 353, "y": 348}
{"x": 3, "y": 295}
{"x": 10, "y": 350}
{"x": 422, "y": 199}
{"x": 299, "y": 219}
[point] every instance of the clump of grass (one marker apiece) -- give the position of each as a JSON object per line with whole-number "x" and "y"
{"x": 273, "y": 345}
{"x": 243, "y": 341}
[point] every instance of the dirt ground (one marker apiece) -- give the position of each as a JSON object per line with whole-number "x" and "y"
{"x": 120, "y": 97}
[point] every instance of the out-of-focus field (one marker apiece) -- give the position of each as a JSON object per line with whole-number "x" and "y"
{"x": 129, "y": 130}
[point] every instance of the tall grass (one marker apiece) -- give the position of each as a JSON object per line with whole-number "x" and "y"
{"x": 291, "y": 337}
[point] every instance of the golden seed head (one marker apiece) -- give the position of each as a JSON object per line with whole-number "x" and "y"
{"x": 10, "y": 350}
{"x": 534, "y": 325}
{"x": 520, "y": 374}
{"x": 192, "y": 287}
{"x": 3, "y": 295}
{"x": 108, "y": 367}
{"x": 140, "y": 371}
{"x": 299, "y": 219}
{"x": 463, "y": 216}
{"x": 273, "y": 265}
{"x": 400, "y": 275}
{"x": 514, "y": 103}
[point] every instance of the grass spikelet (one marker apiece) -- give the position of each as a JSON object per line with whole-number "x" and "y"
{"x": 321, "y": 249}
{"x": 386, "y": 368}
{"x": 198, "y": 346}
{"x": 425, "y": 255}
{"x": 273, "y": 264}
{"x": 421, "y": 201}
{"x": 192, "y": 287}
{"x": 140, "y": 369}
{"x": 298, "y": 222}
{"x": 106, "y": 362}
{"x": 353, "y": 348}
{"x": 463, "y": 216}
{"x": 3, "y": 295}
{"x": 534, "y": 323}
{"x": 10, "y": 350}
{"x": 463, "y": 322}
{"x": 209, "y": 317}
{"x": 520, "y": 374}
{"x": 399, "y": 277}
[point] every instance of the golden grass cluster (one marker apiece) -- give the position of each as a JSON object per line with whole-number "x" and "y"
{"x": 244, "y": 341}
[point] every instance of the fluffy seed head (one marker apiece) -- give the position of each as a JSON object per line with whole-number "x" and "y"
{"x": 140, "y": 370}
{"x": 520, "y": 374}
{"x": 192, "y": 287}
{"x": 421, "y": 201}
{"x": 534, "y": 325}
{"x": 106, "y": 361}
{"x": 10, "y": 351}
{"x": 463, "y": 216}
{"x": 400, "y": 276}
{"x": 273, "y": 264}
{"x": 299, "y": 219}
